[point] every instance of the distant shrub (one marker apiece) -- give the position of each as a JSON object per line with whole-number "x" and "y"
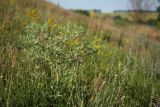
{"x": 120, "y": 21}
{"x": 84, "y": 12}
{"x": 158, "y": 21}
{"x": 105, "y": 16}
{"x": 117, "y": 18}
{"x": 158, "y": 18}
{"x": 152, "y": 22}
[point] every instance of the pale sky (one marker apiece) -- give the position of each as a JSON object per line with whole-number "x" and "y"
{"x": 104, "y": 5}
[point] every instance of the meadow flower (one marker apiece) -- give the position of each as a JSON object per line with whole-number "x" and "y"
{"x": 52, "y": 25}
{"x": 91, "y": 13}
{"x": 33, "y": 14}
{"x": 96, "y": 46}
{"x": 96, "y": 43}
{"x": 50, "y": 21}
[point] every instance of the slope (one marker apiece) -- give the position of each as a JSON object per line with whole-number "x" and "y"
{"x": 56, "y": 58}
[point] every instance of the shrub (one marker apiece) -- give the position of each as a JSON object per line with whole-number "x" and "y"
{"x": 83, "y": 12}
{"x": 120, "y": 21}
{"x": 152, "y": 22}
{"x": 51, "y": 63}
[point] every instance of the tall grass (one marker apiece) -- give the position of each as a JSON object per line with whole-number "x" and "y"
{"x": 46, "y": 63}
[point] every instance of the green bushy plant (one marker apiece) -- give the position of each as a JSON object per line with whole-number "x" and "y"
{"x": 50, "y": 61}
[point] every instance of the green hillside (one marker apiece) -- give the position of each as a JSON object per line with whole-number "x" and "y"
{"x": 50, "y": 57}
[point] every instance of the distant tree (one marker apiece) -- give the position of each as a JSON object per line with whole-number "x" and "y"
{"x": 139, "y": 9}
{"x": 83, "y": 12}
{"x": 158, "y": 18}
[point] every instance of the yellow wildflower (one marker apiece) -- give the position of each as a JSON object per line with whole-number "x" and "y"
{"x": 96, "y": 43}
{"x": 96, "y": 46}
{"x": 50, "y": 21}
{"x": 92, "y": 13}
{"x": 76, "y": 41}
{"x": 52, "y": 25}
{"x": 33, "y": 12}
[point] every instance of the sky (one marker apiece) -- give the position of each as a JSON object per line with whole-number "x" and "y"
{"x": 103, "y": 5}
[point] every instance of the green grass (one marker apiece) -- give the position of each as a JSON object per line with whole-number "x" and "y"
{"x": 46, "y": 62}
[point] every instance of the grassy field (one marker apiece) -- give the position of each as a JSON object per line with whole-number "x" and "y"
{"x": 50, "y": 57}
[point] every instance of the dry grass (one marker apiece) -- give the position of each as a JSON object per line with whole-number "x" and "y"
{"x": 56, "y": 58}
